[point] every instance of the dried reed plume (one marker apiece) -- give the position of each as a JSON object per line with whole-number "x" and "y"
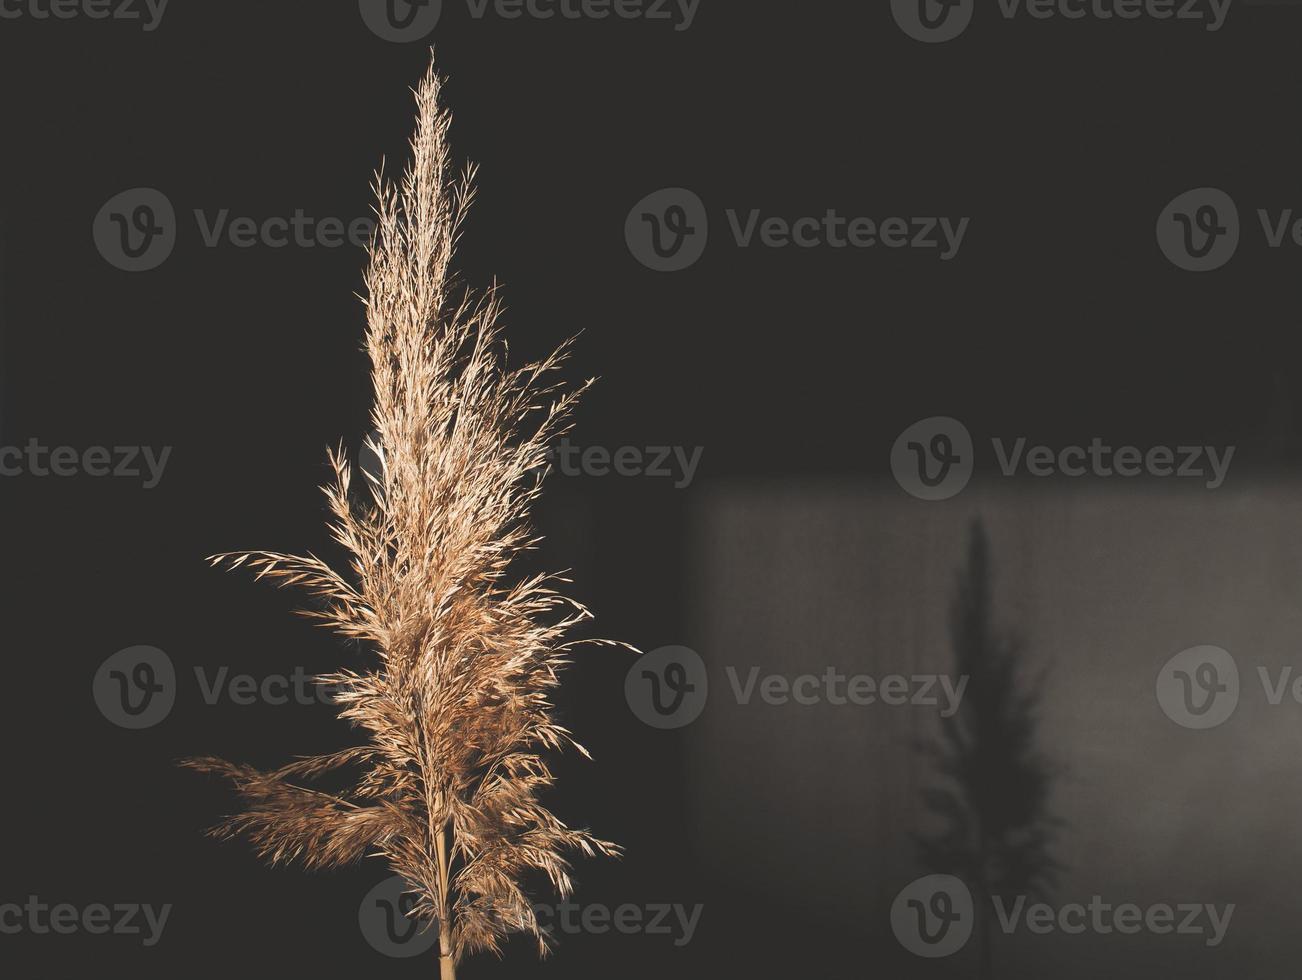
{"x": 457, "y": 704}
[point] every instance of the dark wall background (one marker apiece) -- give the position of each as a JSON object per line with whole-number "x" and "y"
{"x": 1060, "y": 320}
